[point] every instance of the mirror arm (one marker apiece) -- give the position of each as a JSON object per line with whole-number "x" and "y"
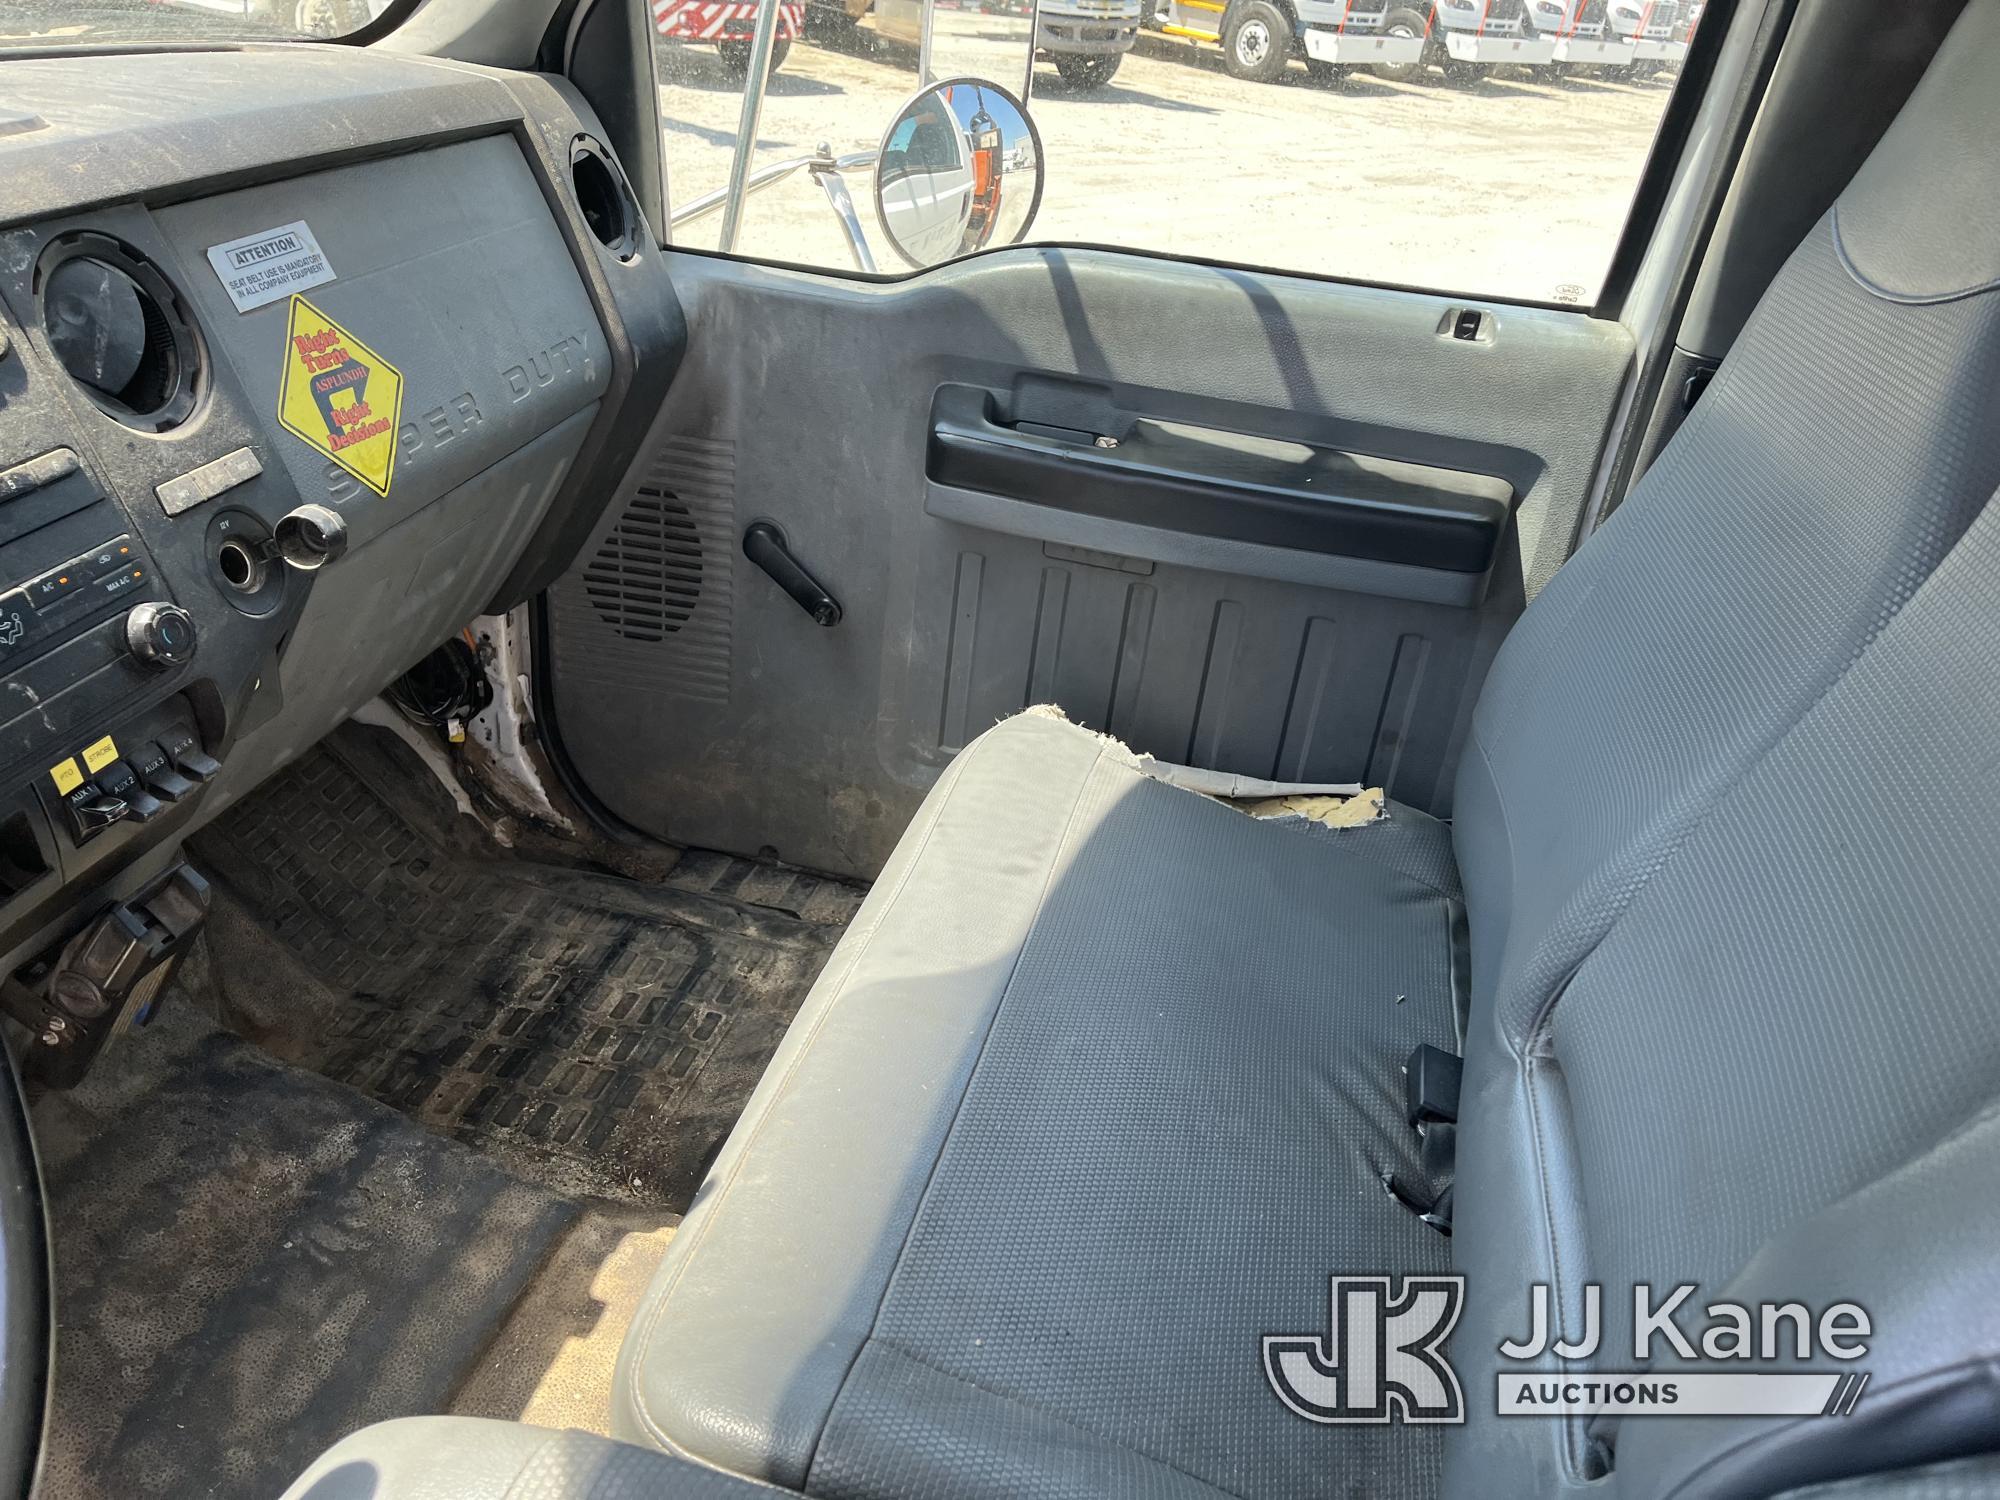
{"x": 820, "y": 165}
{"x": 827, "y": 173}
{"x": 696, "y": 209}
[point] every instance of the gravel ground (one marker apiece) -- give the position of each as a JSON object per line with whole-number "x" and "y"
{"x": 1516, "y": 185}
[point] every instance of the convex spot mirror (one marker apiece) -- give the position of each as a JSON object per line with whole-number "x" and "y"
{"x": 960, "y": 170}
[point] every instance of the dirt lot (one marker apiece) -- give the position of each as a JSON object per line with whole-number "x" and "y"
{"x": 1515, "y": 185}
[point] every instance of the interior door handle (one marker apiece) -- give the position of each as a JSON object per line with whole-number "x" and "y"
{"x": 1226, "y": 486}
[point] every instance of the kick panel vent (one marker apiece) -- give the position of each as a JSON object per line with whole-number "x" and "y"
{"x": 646, "y": 578}
{"x": 650, "y": 607}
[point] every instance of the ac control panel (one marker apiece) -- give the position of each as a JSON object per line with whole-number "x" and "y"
{"x": 67, "y": 599}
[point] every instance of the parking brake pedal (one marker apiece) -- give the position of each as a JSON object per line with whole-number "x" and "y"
{"x": 107, "y": 978}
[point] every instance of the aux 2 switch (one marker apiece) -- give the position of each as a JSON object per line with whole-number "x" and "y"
{"x": 160, "y": 636}
{"x": 118, "y": 780}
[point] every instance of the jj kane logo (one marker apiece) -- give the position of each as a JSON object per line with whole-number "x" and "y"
{"x": 1382, "y": 1357}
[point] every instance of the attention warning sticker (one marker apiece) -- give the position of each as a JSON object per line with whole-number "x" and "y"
{"x": 340, "y": 396}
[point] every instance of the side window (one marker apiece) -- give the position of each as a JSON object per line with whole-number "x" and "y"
{"x": 1474, "y": 146}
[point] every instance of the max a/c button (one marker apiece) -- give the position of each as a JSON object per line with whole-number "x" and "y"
{"x": 125, "y": 578}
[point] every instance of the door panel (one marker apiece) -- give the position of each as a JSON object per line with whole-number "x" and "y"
{"x": 1250, "y": 589}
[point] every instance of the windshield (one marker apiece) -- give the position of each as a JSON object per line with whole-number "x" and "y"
{"x": 55, "y": 23}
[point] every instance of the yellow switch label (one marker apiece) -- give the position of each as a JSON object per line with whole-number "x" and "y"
{"x": 101, "y": 754}
{"x": 66, "y": 776}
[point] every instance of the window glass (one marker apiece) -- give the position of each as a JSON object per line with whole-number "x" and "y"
{"x": 1479, "y": 146}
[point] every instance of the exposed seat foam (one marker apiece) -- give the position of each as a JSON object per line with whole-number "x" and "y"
{"x": 1103, "y": 1072}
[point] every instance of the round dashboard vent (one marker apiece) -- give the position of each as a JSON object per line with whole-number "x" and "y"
{"x": 602, "y": 199}
{"x": 121, "y": 331}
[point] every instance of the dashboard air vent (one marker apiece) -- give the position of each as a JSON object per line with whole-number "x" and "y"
{"x": 602, "y": 199}
{"x": 122, "y": 332}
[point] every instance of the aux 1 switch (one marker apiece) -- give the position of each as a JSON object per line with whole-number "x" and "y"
{"x": 91, "y": 811}
{"x": 160, "y": 636}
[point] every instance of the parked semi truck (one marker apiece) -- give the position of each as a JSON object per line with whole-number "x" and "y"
{"x": 1583, "y": 35}
{"x": 1659, "y": 30}
{"x": 1462, "y": 38}
{"x": 1085, "y": 39}
{"x": 729, "y": 25}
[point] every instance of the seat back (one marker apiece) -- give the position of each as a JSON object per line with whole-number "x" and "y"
{"x": 1727, "y": 834}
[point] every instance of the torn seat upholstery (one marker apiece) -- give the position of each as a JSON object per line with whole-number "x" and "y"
{"x": 1081, "y": 1012}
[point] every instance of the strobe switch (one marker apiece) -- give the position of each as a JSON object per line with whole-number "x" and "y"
{"x": 160, "y": 636}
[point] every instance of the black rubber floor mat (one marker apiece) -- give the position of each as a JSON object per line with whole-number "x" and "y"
{"x": 252, "y": 1262}
{"x": 594, "y": 1033}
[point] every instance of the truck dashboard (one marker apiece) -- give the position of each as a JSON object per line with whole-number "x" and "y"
{"x": 308, "y": 355}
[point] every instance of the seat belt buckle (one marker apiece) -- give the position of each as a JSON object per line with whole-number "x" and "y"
{"x": 1430, "y": 1087}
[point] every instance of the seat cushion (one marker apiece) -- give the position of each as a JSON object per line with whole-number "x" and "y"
{"x": 1099, "y": 1088}
{"x": 466, "y": 1458}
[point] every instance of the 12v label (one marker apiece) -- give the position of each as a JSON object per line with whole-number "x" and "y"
{"x": 340, "y": 396}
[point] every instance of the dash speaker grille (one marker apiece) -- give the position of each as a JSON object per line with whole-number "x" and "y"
{"x": 646, "y": 577}
{"x": 651, "y": 606}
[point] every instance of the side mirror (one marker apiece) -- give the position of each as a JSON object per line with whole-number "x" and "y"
{"x": 960, "y": 170}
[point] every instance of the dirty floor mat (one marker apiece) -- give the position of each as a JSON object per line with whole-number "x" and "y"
{"x": 597, "y": 1034}
{"x": 252, "y": 1262}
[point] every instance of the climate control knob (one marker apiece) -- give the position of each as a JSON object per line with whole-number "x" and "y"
{"x": 160, "y": 635}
